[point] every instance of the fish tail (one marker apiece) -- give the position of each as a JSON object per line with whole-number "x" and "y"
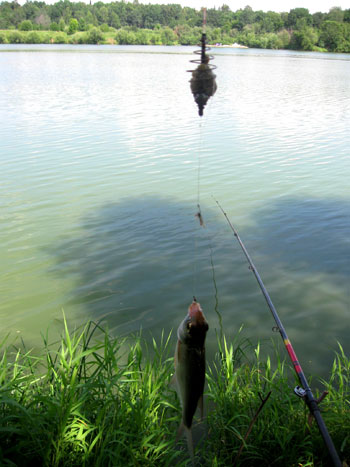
{"x": 188, "y": 431}
{"x": 190, "y": 443}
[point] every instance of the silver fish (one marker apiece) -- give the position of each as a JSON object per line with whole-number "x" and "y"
{"x": 190, "y": 368}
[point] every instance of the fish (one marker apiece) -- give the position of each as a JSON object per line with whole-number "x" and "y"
{"x": 190, "y": 368}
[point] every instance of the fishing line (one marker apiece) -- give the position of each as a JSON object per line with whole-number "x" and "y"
{"x": 198, "y": 214}
{"x": 209, "y": 237}
{"x": 203, "y": 86}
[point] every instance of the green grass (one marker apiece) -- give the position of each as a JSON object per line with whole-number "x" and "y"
{"x": 95, "y": 400}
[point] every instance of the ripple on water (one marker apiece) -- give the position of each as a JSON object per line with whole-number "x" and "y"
{"x": 99, "y": 184}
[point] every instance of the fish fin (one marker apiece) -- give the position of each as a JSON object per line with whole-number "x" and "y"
{"x": 190, "y": 443}
{"x": 188, "y": 431}
{"x": 200, "y": 405}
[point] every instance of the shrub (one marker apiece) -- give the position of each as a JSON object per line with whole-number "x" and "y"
{"x": 104, "y": 27}
{"x": 2, "y": 38}
{"x": 124, "y": 37}
{"x": 73, "y": 26}
{"x": 62, "y": 25}
{"x": 60, "y": 39}
{"x": 16, "y": 38}
{"x": 34, "y": 38}
{"x": 54, "y": 27}
{"x": 26, "y": 25}
{"x": 94, "y": 36}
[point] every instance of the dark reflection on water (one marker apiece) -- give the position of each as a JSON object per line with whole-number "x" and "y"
{"x": 139, "y": 262}
{"x": 307, "y": 232}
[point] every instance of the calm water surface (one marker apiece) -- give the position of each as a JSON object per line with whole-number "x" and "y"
{"x": 100, "y": 150}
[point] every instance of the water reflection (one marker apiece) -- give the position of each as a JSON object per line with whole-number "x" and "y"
{"x": 82, "y": 129}
{"x": 137, "y": 264}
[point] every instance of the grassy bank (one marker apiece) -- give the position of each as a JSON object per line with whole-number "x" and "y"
{"x": 94, "y": 400}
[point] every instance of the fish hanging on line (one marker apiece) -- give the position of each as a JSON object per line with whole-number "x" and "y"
{"x": 190, "y": 368}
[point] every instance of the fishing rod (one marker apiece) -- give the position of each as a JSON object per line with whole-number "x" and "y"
{"x": 304, "y": 392}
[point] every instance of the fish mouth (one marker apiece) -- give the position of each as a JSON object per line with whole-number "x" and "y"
{"x": 195, "y": 312}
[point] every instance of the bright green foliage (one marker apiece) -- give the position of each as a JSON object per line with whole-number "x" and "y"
{"x": 2, "y": 38}
{"x": 335, "y": 36}
{"x": 94, "y": 400}
{"x": 168, "y": 36}
{"x": 107, "y": 403}
{"x": 62, "y": 25}
{"x": 34, "y": 38}
{"x": 54, "y": 27}
{"x": 26, "y": 25}
{"x": 94, "y": 36}
{"x": 60, "y": 39}
{"x": 124, "y": 37}
{"x": 16, "y": 37}
{"x": 104, "y": 27}
{"x": 305, "y": 39}
{"x": 82, "y": 26}
{"x": 73, "y": 26}
{"x": 282, "y": 435}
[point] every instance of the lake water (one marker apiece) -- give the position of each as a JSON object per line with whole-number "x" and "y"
{"x": 101, "y": 153}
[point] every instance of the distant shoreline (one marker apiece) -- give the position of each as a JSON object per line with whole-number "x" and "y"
{"x": 232, "y": 46}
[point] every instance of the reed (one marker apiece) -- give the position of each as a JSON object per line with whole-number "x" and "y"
{"x": 94, "y": 400}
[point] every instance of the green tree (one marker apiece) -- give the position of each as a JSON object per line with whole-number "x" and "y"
{"x": 168, "y": 36}
{"x": 31, "y": 10}
{"x": 283, "y": 39}
{"x": 62, "y": 25}
{"x": 54, "y": 26}
{"x": 332, "y": 36}
{"x": 94, "y": 36}
{"x": 26, "y": 25}
{"x": 73, "y": 26}
{"x": 114, "y": 20}
{"x": 186, "y": 35}
{"x": 272, "y": 22}
{"x": 18, "y": 14}
{"x": 143, "y": 37}
{"x": 299, "y": 13}
{"x": 317, "y": 19}
{"x": 104, "y": 27}
{"x": 336, "y": 14}
{"x": 306, "y": 39}
{"x": 102, "y": 14}
{"x": 43, "y": 20}
{"x": 82, "y": 26}
{"x": 247, "y": 16}
{"x": 124, "y": 37}
{"x": 61, "y": 39}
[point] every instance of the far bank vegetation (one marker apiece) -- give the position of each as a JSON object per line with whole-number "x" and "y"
{"x": 134, "y": 23}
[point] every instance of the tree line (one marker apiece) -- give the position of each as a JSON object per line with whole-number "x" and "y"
{"x": 135, "y": 23}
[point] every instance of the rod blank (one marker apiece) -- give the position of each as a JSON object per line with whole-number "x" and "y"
{"x": 307, "y": 396}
